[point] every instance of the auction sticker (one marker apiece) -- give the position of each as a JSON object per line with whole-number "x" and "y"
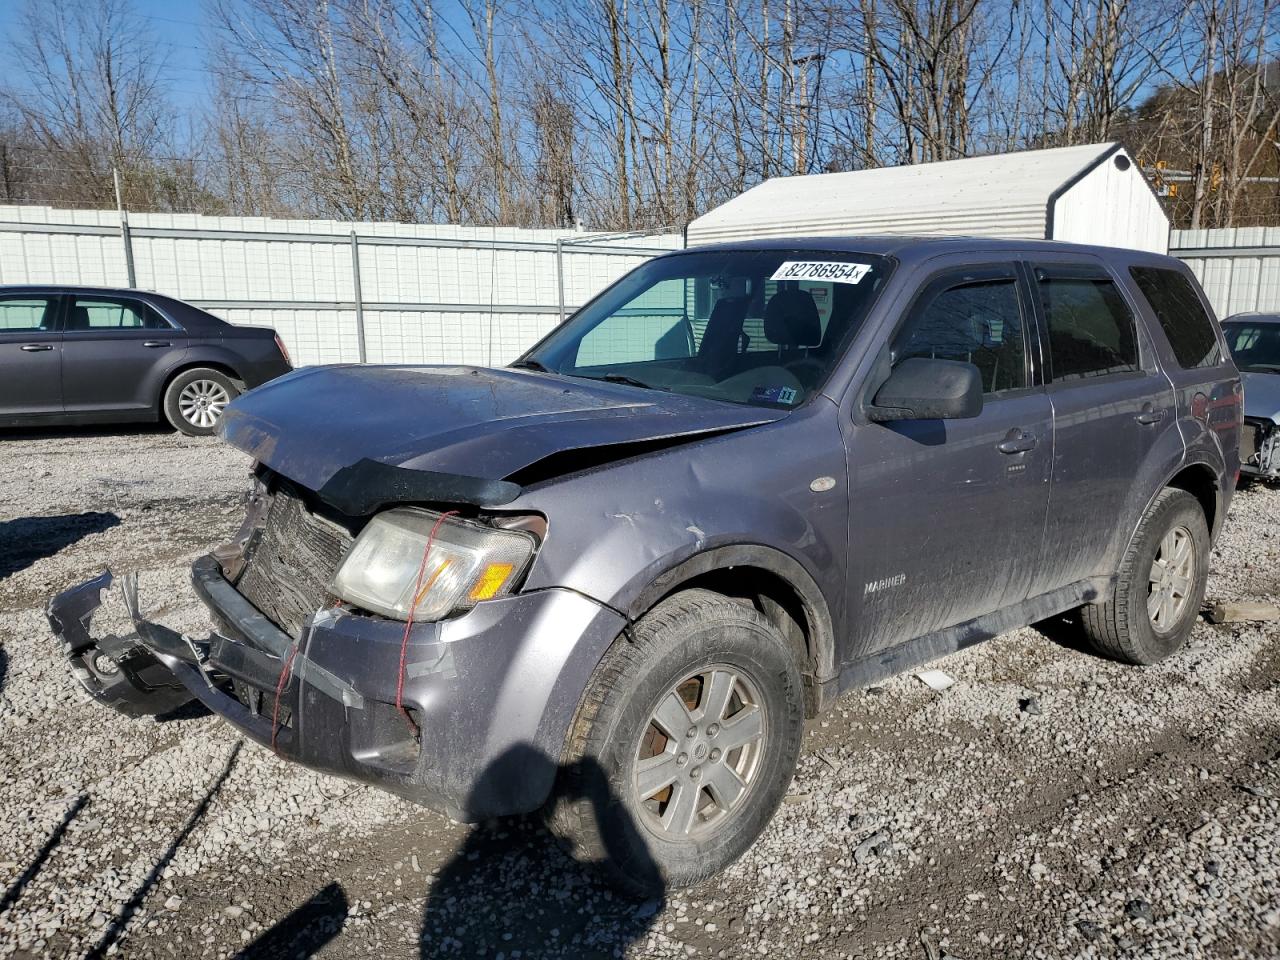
{"x": 787, "y": 395}
{"x": 837, "y": 271}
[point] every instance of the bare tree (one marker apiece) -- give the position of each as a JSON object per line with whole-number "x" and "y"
{"x": 632, "y": 113}
{"x": 92, "y": 91}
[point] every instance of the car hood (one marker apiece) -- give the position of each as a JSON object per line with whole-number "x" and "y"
{"x": 1261, "y": 395}
{"x": 468, "y": 422}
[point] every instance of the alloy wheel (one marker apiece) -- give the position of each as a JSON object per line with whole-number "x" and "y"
{"x": 1172, "y": 576}
{"x": 700, "y": 753}
{"x": 201, "y": 402}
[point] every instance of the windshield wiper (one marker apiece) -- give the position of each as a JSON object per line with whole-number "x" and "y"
{"x": 621, "y": 378}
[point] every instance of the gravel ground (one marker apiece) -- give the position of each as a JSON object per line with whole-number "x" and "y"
{"x": 1050, "y": 804}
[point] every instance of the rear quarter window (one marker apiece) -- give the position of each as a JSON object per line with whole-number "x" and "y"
{"x": 1182, "y": 316}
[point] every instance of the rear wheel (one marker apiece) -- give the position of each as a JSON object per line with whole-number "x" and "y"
{"x": 1160, "y": 585}
{"x": 683, "y": 746}
{"x": 194, "y": 401}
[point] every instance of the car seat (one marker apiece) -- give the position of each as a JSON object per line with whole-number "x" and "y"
{"x": 791, "y": 321}
{"x": 723, "y": 340}
{"x": 78, "y": 319}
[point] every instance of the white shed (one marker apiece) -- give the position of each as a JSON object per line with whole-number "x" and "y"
{"x": 1089, "y": 194}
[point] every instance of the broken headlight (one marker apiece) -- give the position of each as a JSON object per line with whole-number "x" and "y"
{"x": 390, "y": 569}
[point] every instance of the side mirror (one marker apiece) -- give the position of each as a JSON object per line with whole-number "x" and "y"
{"x": 923, "y": 389}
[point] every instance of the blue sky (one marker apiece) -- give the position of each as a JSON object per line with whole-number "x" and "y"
{"x": 184, "y": 27}
{"x": 181, "y": 24}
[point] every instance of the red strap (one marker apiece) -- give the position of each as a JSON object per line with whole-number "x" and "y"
{"x": 408, "y": 626}
{"x": 285, "y": 669}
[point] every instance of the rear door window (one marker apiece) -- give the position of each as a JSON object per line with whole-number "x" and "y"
{"x": 1181, "y": 314}
{"x": 1091, "y": 328}
{"x": 110, "y": 313}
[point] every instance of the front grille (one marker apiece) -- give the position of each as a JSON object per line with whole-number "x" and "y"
{"x": 288, "y": 572}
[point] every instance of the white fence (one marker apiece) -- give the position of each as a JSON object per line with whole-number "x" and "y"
{"x": 1239, "y": 268}
{"x": 404, "y": 293}
{"x": 336, "y": 292}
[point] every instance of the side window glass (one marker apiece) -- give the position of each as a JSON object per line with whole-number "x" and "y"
{"x": 978, "y": 322}
{"x": 26, "y": 314}
{"x": 100, "y": 313}
{"x": 1091, "y": 330}
{"x": 1181, "y": 314}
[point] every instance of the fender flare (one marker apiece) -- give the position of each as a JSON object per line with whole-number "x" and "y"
{"x": 1218, "y": 517}
{"x": 817, "y": 614}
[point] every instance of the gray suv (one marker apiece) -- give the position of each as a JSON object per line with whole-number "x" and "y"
{"x": 613, "y": 580}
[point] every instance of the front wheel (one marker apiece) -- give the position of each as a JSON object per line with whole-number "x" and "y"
{"x": 684, "y": 744}
{"x": 194, "y": 401}
{"x": 1159, "y": 587}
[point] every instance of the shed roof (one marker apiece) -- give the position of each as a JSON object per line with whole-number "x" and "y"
{"x": 1005, "y": 195}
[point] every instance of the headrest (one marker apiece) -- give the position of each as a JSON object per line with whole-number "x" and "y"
{"x": 729, "y": 310}
{"x": 79, "y": 319}
{"x": 791, "y": 319}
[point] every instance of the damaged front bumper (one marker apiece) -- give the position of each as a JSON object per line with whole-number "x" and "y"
{"x": 491, "y": 693}
{"x": 1260, "y": 448}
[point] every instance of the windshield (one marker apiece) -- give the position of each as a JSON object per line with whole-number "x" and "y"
{"x": 760, "y": 327}
{"x": 1255, "y": 347}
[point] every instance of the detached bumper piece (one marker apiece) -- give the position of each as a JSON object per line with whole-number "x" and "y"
{"x": 1260, "y": 448}
{"x": 119, "y": 671}
{"x": 155, "y": 670}
{"x": 491, "y": 693}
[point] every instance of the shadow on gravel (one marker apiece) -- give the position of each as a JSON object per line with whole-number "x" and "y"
{"x": 1066, "y": 631}
{"x": 193, "y": 710}
{"x": 15, "y": 889}
{"x": 4, "y": 668}
{"x": 510, "y": 887}
{"x": 127, "y": 910}
{"x": 305, "y": 930}
{"x": 122, "y": 430}
{"x": 30, "y": 539}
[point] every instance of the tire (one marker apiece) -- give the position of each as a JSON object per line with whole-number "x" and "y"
{"x": 1124, "y": 628}
{"x": 598, "y": 812}
{"x": 195, "y": 399}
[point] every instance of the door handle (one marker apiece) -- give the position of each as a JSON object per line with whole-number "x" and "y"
{"x": 1149, "y": 414}
{"x": 1017, "y": 441}
{"x": 36, "y": 347}
{"x": 157, "y": 343}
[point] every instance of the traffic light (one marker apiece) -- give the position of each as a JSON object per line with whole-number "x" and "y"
{"x": 1157, "y": 181}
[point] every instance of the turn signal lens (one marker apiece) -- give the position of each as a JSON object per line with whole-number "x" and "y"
{"x": 490, "y": 581}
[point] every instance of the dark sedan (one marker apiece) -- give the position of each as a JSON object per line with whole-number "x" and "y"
{"x": 77, "y": 355}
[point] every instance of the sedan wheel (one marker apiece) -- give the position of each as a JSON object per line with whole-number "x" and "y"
{"x": 195, "y": 400}
{"x": 201, "y": 402}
